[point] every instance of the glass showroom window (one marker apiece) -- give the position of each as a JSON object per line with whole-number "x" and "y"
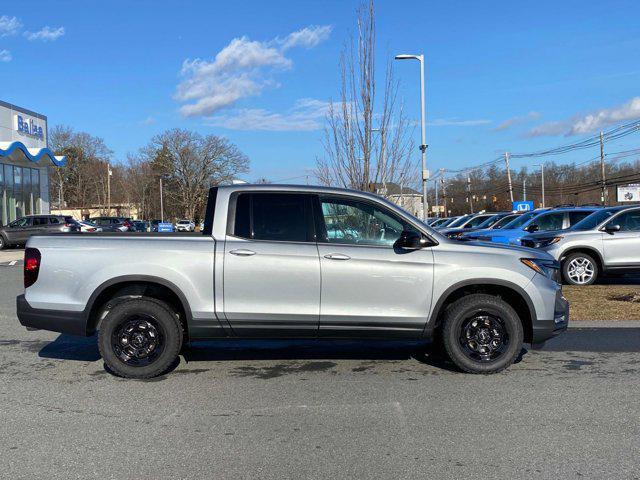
{"x": 35, "y": 186}
{"x": 3, "y": 208}
{"x": 17, "y": 191}
{"x": 10, "y": 201}
{"x": 26, "y": 191}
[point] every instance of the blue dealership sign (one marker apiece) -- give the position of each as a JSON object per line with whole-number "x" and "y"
{"x": 522, "y": 206}
{"x": 165, "y": 227}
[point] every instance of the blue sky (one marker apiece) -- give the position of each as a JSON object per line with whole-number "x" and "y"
{"x": 501, "y": 75}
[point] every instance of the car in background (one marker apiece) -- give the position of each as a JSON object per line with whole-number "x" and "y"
{"x": 607, "y": 241}
{"x": 534, "y": 221}
{"x": 113, "y": 224}
{"x": 88, "y": 227}
{"x": 185, "y": 226}
{"x": 437, "y": 222}
{"x": 18, "y": 232}
{"x": 448, "y": 222}
{"x": 472, "y": 222}
{"x": 140, "y": 226}
{"x": 153, "y": 225}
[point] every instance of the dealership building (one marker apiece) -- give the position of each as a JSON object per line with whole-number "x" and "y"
{"x": 24, "y": 163}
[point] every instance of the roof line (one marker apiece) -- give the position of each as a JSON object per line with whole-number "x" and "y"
{"x": 23, "y": 110}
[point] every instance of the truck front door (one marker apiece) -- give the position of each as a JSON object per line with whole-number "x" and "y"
{"x": 271, "y": 266}
{"x": 368, "y": 286}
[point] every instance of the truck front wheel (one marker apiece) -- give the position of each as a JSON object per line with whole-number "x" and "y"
{"x": 482, "y": 334}
{"x": 140, "y": 338}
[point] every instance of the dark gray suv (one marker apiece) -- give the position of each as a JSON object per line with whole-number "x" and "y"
{"x": 19, "y": 231}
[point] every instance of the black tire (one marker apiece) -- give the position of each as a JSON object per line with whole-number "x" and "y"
{"x": 3, "y": 243}
{"x": 491, "y": 315}
{"x": 571, "y": 273}
{"x": 146, "y": 323}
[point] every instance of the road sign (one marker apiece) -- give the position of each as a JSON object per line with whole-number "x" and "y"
{"x": 437, "y": 208}
{"x": 522, "y": 206}
{"x": 165, "y": 227}
{"x": 629, "y": 193}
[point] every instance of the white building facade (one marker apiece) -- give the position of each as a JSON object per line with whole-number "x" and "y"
{"x": 24, "y": 163}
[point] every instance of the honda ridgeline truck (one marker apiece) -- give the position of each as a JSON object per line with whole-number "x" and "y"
{"x": 291, "y": 261}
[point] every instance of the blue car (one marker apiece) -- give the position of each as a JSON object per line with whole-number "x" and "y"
{"x": 535, "y": 221}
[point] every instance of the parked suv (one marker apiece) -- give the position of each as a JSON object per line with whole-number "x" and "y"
{"x": 19, "y": 231}
{"x": 185, "y": 226}
{"x": 535, "y": 221}
{"x": 114, "y": 224}
{"x": 606, "y": 241}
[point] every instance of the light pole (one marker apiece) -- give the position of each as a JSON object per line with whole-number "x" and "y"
{"x": 423, "y": 145}
{"x": 541, "y": 165}
{"x": 161, "y": 202}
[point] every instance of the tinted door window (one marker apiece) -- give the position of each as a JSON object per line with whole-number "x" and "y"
{"x": 54, "y": 220}
{"x": 21, "y": 222}
{"x": 360, "y": 223}
{"x": 628, "y": 221}
{"x": 40, "y": 221}
{"x": 273, "y": 216}
{"x": 575, "y": 217}
{"x": 550, "y": 221}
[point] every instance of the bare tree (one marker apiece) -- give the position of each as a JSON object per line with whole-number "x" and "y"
{"x": 366, "y": 140}
{"x": 191, "y": 163}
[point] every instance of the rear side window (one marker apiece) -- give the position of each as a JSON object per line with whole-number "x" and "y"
{"x": 550, "y": 221}
{"x": 280, "y": 217}
{"x": 54, "y": 220}
{"x": 575, "y": 217}
{"x": 39, "y": 221}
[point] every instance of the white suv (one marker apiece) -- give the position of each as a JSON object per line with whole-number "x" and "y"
{"x": 185, "y": 226}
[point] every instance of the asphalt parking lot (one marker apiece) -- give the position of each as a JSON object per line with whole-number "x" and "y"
{"x": 318, "y": 410}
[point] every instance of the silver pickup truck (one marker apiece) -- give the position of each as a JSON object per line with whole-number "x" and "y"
{"x": 291, "y": 261}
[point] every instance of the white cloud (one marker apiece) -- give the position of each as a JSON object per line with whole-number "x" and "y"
{"x": 9, "y": 26}
{"x": 510, "y": 122}
{"x": 591, "y": 122}
{"x": 308, "y": 37}
{"x": 454, "y": 122}
{"x": 148, "y": 121}
{"x": 5, "y": 56}
{"x": 241, "y": 69}
{"x": 46, "y": 34}
{"x": 306, "y": 115}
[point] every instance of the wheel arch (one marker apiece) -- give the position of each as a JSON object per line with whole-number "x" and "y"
{"x": 136, "y": 285}
{"x": 513, "y": 294}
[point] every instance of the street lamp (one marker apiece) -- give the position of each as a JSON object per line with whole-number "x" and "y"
{"x": 541, "y": 165}
{"x": 423, "y": 145}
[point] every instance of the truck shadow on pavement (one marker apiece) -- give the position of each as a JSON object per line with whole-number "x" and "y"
{"x": 69, "y": 347}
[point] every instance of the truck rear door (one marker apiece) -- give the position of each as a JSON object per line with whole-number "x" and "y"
{"x": 271, "y": 265}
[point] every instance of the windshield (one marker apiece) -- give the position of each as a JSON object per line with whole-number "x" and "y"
{"x": 593, "y": 220}
{"x": 501, "y": 222}
{"x": 448, "y": 222}
{"x": 479, "y": 220}
{"x": 521, "y": 220}
{"x": 439, "y": 222}
{"x": 457, "y": 222}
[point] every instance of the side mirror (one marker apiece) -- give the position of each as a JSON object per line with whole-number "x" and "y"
{"x": 611, "y": 229}
{"x": 410, "y": 240}
{"x": 532, "y": 228}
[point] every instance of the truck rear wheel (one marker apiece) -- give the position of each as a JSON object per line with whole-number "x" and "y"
{"x": 482, "y": 334}
{"x": 140, "y": 338}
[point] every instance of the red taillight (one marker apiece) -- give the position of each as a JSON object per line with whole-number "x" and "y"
{"x": 127, "y": 223}
{"x": 91, "y": 229}
{"x": 31, "y": 266}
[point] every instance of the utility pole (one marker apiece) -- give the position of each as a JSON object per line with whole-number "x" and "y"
{"x": 542, "y": 177}
{"x": 524, "y": 190}
{"x": 109, "y": 172}
{"x": 506, "y": 160}
{"x": 603, "y": 194}
{"x": 437, "y": 204}
{"x": 444, "y": 197}
{"x": 161, "y": 204}
{"x": 469, "y": 193}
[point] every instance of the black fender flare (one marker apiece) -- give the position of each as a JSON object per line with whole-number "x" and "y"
{"x": 135, "y": 278}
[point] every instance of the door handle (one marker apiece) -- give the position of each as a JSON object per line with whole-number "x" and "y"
{"x": 337, "y": 256}
{"x": 242, "y": 252}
